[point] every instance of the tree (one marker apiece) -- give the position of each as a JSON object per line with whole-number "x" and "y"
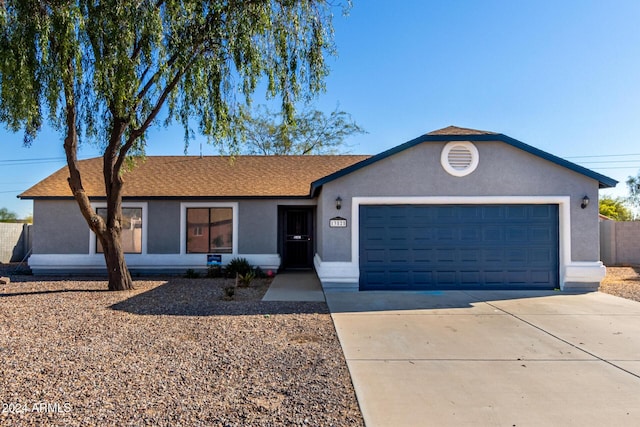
{"x": 633, "y": 184}
{"x": 267, "y": 133}
{"x": 104, "y": 71}
{"x": 7, "y": 216}
{"x": 614, "y": 209}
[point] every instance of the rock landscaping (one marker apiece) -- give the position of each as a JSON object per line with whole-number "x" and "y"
{"x": 171, "y": 352}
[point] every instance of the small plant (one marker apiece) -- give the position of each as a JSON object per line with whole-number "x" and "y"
{"x": 191, "y": 274}
{"x": 259, "y": 273}
{"x": 245, "y": 279}
{"x": 229, "y": 292}
{"x": 238, "y": 266}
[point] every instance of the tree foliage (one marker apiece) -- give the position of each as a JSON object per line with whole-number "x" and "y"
{"x": 614, "y": 209}
{"x": 104, "y": 71}
{"x": 7, "y": 216}
{"x": 266, "y": 132}
{"x": 633, "y": 184}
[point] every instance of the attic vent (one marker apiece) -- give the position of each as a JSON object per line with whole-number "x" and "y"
{"x": 459, "y": 158}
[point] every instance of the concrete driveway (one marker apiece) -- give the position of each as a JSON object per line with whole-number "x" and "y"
{"x": 503, "y": 358}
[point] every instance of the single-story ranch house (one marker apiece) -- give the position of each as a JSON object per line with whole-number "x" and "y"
{"x": 453, "y": 209}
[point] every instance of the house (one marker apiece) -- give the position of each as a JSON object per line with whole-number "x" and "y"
{"x": 453, "y": 209}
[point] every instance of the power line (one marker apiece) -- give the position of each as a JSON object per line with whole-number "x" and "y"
{"x": 32, "y": 159}
{"x": 26, "y": 162}
{"x": 602, "y": 155}
{"x": 610, "y": 161}
{"x": 616, "y": 167}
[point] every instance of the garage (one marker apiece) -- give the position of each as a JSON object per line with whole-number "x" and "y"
{"x": 429, "y": 247}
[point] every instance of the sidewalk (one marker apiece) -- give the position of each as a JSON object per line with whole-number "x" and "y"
{"x": 295, "y": 286}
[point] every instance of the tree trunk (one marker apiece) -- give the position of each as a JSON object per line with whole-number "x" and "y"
{"x": 109, "y": 231}
{"x": 119, "y": 276}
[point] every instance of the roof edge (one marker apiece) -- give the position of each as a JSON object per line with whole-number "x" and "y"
{"x": 603, "y": 181}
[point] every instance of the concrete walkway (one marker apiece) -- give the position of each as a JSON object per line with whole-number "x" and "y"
{"x": 295, "y": 286}
{"x": 491, "y": 358}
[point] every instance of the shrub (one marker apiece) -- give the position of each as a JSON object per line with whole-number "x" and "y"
{"x": 261, "y": 274}
{"x": 238, "y": 266}
{"x": 245, "y": 279}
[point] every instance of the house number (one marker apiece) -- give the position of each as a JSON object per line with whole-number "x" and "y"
{"x": 337, "y": 222}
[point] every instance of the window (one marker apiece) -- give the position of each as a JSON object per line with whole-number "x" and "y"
{"x": 131, "y": 234}
{"x": 209, "y": 230}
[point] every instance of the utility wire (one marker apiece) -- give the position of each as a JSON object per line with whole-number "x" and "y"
{"x": 602, "y": 155}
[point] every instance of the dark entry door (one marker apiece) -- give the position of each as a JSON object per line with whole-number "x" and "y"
{"x": 297, "y": 248}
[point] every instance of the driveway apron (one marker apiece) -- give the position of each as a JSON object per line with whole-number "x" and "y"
{"x": 491, "y": 358}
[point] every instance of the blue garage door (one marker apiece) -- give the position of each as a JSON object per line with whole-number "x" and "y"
{"x": 421, "y": 247}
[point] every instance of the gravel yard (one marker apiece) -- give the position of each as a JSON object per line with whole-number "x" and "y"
{"x": 623, "y": 282}
{"x": 172, "y": 352}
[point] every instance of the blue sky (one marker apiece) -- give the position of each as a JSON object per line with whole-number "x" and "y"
{"x": 563, "y": 76}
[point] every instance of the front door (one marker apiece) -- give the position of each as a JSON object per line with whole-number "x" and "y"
{"x": 297, "y": 237}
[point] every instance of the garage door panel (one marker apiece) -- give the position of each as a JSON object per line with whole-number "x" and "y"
{"x": 470, "y": 277}
{"x": 541, "y": 256}
{"x": 541, "y": 212}
{"x": 445, "y": 255}
{"x": 470, "y": 234}
{"x": 459, "y": 247}
{"x": 446, "y": 277}
{"x": 540, "y": 276}
{"x": 373, "y": 256}
{"x": 492, "y": 255}
{"x": 517, "y": 256}
{"x": 516, "y": 233}
{"x": 399, "y": 256}
{"x": 516, "y": 213}
{"x": 470, "y": 255}
{"x": 398, "y": 277}
{"x": 423, "y": 277}
{"x": 539, "y": 234}
{"x": 493, "y": 277}
{"x": 493, "y": 233}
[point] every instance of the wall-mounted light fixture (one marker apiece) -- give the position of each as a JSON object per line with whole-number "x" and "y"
{"x": 585, "y": 202}
{"x": 338, "y": 202}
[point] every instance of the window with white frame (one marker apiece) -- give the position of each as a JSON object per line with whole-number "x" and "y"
{"x": 131, "y": 232}
{"x": 209, "y": 229}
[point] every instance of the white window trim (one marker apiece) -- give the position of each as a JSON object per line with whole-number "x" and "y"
{"x": 444, "y": 158}
{"x": 183, "y": 222}
{"x": 143, "y": 206}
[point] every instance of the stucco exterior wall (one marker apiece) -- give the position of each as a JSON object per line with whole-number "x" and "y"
{"x": 258, "y": 226}
{"x": 59, "y": 228}
{"x": 503, "y": 170}
{"x": 163, "y": 227}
